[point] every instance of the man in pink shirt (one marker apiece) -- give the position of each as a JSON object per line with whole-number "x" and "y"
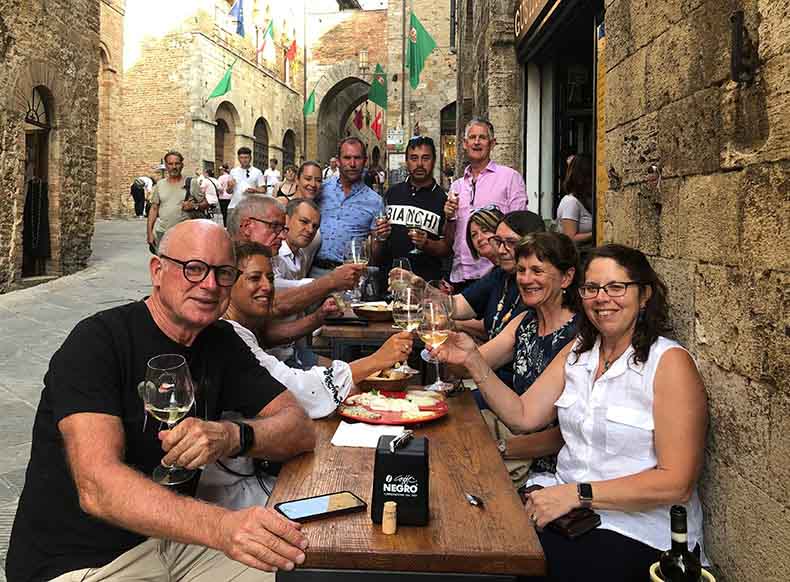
{"x": 484, "y": 183}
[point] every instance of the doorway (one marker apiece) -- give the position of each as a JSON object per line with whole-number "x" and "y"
{"x": 35, "y": 220}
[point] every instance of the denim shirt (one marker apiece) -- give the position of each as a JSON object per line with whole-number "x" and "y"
{"x": 346, "y": 217}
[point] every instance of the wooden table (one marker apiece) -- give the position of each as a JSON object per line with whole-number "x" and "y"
{"x": 496, "y": 542}
{"x": 344, "y": 338}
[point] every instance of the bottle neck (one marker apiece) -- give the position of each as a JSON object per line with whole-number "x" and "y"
{"x": 680, "y": 541}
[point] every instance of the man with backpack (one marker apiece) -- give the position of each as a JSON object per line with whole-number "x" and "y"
{"x": 174, "y": 199}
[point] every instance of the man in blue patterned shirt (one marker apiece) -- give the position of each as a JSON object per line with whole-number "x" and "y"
{"x": 348, "y": 207}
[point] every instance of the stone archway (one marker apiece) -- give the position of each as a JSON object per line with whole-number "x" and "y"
{"x": 227, "y": 123}
{"x": 289, "y": 148}
{"x": 260, "y": 152}
{"x": 336, "y": 107}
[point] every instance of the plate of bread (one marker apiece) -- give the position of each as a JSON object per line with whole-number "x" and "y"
{"x": 410, "y": 407}
{"x": 373, "y": 310}
{"x": 386, "y": 381}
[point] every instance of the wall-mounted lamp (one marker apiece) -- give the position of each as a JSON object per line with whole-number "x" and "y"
{"x": 743, "y": 57}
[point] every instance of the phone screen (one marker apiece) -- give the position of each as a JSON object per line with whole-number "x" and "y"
{"x": 311, "y": 507}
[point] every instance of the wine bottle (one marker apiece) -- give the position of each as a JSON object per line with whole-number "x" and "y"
{"x": 677, "y": 564}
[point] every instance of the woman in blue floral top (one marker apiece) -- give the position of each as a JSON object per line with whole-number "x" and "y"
{"x": 547, "y": 279}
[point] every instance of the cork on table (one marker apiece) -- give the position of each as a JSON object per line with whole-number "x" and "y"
{"x": 460, "y": 538}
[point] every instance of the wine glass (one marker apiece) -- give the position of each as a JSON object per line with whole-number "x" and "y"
{"x": 400, "y": 274}
{"x": 413, "y": 226}
{"x": 381, "y": 218}
{"x": 168, "y": 394}
{"x": 357, "y": 252}
{"x": 406, "y": 313}
{"x": 434, "y": 329}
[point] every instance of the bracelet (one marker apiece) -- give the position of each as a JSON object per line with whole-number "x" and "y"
{"x": 484, "y": 378}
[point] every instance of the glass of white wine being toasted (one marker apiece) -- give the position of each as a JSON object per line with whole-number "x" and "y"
{"x": 434, "y": 329}
{"x": 406, "y": 313}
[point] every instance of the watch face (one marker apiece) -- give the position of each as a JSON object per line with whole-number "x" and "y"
{"x": 585, "y": 490}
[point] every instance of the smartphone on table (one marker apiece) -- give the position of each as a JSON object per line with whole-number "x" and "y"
{"x": 320, "y": 506}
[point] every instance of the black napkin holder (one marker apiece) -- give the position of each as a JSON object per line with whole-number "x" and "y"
{"x": 401, "y": 477}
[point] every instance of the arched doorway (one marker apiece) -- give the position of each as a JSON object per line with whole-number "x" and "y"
{"x": 35, "y": 234}
{"x": 227, "y": 119}
{"x": 260, "y": 152}
{"x": 336, "y": 107}
{"x": 289, "y": 148}
{"x": 221, "y": 135}
{"x": 448, "y": 147}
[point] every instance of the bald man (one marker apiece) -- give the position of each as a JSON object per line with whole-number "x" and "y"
{"x": 92, "y": 512}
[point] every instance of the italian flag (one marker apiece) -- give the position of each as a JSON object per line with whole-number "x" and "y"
{"x": 267, "y": 43}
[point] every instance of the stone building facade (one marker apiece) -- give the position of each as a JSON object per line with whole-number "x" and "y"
{"x": 48, "y": 118}
{"x": 112, "y": 199}
{"x": 694, "y": 169}
{"x": 347, "y": 46}
{"x": 168, "y": 80}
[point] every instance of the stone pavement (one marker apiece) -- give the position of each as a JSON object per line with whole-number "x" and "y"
{"x": 33, "y": 324}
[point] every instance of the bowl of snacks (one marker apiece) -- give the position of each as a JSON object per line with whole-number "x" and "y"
{"x": 373, "y": 311}
{"x": 386, "y": 381}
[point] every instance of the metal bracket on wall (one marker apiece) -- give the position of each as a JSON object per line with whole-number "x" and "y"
{"x": 743, "y": 56}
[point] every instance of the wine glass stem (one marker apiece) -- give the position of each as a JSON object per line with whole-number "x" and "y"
{"x": 438, "y": 371}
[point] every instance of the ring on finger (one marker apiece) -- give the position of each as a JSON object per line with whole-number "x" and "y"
{"x": 533, "y": 519}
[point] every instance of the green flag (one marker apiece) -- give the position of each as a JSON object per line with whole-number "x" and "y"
{"x": 378, "y": 88}
{"x": 309, "y": 105}
{"x": 224, "y": 85}
{"x": 420, "y": 46}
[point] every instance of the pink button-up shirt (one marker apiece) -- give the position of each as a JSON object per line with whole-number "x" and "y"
{"x": 497, "y": 185}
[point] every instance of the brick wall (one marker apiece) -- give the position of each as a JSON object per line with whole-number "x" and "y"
{"x": 716, "y": 229}
{"x": 62, "y": 55}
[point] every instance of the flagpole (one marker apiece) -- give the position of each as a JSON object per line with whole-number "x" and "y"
{"x": 403, "y": 66}
{"x": 304, "y": 79}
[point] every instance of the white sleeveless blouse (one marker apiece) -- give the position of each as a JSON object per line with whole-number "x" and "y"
{"x": 609, "y": 433}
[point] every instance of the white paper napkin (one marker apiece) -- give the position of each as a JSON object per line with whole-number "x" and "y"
{"x": 359, "y": 434}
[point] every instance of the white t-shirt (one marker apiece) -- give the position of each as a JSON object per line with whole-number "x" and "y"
{"x": 272, "y": 177}
{"x": 243, "y": 182}
{"x": 571, "y": 209}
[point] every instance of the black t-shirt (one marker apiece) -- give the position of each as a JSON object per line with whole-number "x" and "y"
{"x": 427, "y": 206}
{"x": 97, "y": 369}
{"x": 495, "y": 299}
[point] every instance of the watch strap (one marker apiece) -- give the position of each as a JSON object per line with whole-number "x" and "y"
{"x": 246, "y": 438}
{"x": 584, "y": 491}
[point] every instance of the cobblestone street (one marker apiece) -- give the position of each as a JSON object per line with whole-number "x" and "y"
{"x": 33, "y": 324}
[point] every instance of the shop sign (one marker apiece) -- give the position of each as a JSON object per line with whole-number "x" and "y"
{"x": 527, "y": 12}
{"x": 395, "y": 137}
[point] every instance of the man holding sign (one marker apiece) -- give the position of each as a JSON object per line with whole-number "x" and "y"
{"x": 415, "y": 214}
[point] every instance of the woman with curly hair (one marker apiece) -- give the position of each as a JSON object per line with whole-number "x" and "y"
{"x": 632, "y": 411}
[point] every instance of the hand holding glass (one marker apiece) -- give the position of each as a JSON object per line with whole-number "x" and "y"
{"x": 434, "y": 329}
{"x": 414, "y": 226}
{"x": 168, "y": 393}
{"x": 357, "y": 252}
{"x": 406, "y": 313}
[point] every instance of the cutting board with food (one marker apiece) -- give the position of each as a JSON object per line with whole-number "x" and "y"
{"x": 411, "y": 407}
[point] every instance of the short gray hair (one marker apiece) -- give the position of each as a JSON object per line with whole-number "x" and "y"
{"x": 479, "y": 121}
{"x": 250, "y": 205}
{"x": 292, "y": 205}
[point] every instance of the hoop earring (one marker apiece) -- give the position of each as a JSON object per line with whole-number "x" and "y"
{"x": 641, "y": 317}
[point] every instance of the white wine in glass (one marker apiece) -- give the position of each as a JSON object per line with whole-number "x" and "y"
{"x": 168, "y": 394}
{"x": 406, "y": 313}
{"x": 434, "y": 329}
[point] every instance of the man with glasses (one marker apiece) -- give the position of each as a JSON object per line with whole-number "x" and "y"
{"x": 244, "y": 179}
{"x": 173, "y": 200}
{"x": 262, "y": 219}
{"x": 420, "y": 202}
{"x": 484, "y": 182}
{"x": 348, "y": 208}
{"x": 90, "y": 510}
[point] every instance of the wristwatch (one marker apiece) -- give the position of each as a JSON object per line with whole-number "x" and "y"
{"x": 246, "y": 438}
{"x": 584, "y": 490}
{"x": 501, "y": 446}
